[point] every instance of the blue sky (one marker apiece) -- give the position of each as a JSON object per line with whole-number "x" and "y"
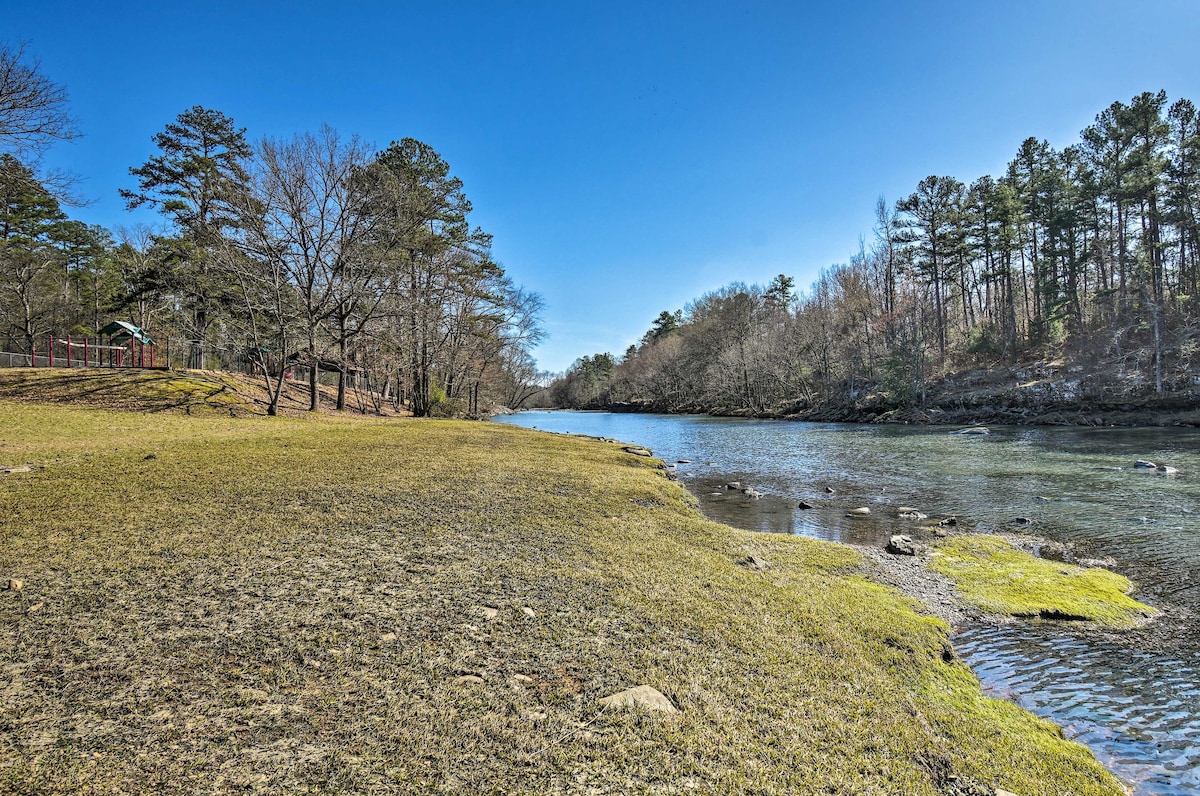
{"x": 627, "y": 157}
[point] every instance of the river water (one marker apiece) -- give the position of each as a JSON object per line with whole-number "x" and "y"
{"x": 1134, "y": 698}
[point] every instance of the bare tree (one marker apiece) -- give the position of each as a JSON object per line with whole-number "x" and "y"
{"x": 33, "y": 108}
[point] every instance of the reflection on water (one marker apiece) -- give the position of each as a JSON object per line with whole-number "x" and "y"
{"x": 1139, "y": 711}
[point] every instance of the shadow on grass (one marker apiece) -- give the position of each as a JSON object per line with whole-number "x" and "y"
{"x": 147, "y": 390}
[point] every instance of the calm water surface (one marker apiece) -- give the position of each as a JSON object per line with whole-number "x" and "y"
{"x": 1133, "y": 698}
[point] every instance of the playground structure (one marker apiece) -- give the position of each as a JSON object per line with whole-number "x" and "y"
{"x": 118, "y": 345}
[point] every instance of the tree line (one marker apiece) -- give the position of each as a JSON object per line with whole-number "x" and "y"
{"x": 312, "y": 251}
{"x": 1090, "y": 251}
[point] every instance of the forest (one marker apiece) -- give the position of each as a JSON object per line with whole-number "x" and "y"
{"x": 301, "y": 255}
{"x": 1087, "y": 255}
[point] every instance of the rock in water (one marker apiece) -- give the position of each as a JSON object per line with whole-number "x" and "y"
{"x": 804, "y": 504}
{"x": 900, "y": 545}
{"x": 752, "y": 492}
{"x": 861, "y": 510}
{"x": 1142, "y": 464}
{"x": 642, "y": 696}
{"x": 1162, "y": 469}
{"x": 973, "y": 431}
{"x": 734, "y": 485}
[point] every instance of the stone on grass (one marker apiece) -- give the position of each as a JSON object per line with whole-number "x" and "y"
{"x": 755, "y": 563}
{"x": 468, "y": 679}
{"x": 521, "y": 678}
{"x": 901, "y": 545}
{"x": 487, "y": 612}
{"x": 637, "y": 451}
{"x": 15, "y": 585}
{"x": 529, "y": 612}
{"x": 642, "y": 696}
{"x": 33, "y": 609}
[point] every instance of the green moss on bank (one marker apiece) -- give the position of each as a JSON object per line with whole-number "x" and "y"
{"x": 277, "y": 605}
{"x": 995, "y": 576}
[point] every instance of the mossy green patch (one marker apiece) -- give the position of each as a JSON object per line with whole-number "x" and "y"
{"x": 286, "y": 605}
{"x": 995, "y": 576}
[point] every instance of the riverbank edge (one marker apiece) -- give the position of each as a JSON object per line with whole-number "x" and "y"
{"x": 1170, "y": 413}
{"x": 966, "y": 738}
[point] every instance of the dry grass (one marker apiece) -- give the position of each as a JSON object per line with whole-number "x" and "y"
{"x": 195, "y": 392}
{"x": 284, "y": 605}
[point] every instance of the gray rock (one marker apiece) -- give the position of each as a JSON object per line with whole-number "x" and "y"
{"x": 861, "y": 510}
{"x": 637, "y": 451}
{"x": 734, "y": 485}
{"x": 752, "y": 492}
{"x": 755, "y": 563}
{"x": 642, "y": 696}
{"x": 973, "y": 431}
{"x": 1022, "y": 521}
{"x": 949, "y": 522}
{"x": 1163, "y": 469}
{"x": 900, "y": 545}
{"x": 1142, "y": 464}
{"x": 804, "y": 504}
{"x": 829, "y": 490}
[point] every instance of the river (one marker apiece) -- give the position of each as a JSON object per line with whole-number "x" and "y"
{"x": 1133, "y": 698}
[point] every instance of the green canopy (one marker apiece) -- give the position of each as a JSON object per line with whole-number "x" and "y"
{"x": 122, "y": 332}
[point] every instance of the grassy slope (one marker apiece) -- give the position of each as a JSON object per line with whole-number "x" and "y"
{"x": 284, "y": 605}
{"x": 995, "y": 576}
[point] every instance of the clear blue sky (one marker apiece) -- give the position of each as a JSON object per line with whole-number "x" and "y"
{"x": 627, "y": 157}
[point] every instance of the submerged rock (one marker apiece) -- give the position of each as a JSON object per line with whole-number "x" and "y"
{"x": 804, "y": 504}
{"x": 973, "y": 431}
{"x": 1163, "y": 469}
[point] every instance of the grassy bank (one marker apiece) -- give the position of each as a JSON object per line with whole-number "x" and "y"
{"x": 343, "y": 605}
{"x": 993, "y": 575}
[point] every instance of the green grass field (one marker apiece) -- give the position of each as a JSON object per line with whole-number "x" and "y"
{"x": 246, "y": 604}
{"x": 998, "y": 578}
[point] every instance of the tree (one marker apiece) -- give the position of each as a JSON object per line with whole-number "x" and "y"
{"x": 33, "y": 108}
{"x": 196, "y": 181}
{"x": 438, "y": 256}
{"x": 31, "y": 262}
{"x": 303, "y": 223}
{"x": 929, "y": 224}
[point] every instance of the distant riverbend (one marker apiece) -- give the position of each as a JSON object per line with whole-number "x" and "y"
{"x": 1133, "y": 697}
